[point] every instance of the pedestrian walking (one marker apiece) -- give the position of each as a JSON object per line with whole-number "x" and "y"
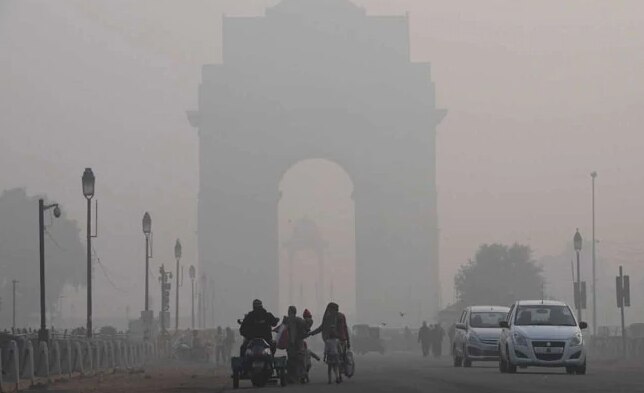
{"x": 437, "y": 344}
{"x": 424, "y": 338}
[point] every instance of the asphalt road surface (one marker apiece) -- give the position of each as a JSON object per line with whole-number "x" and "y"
{"x": 407, "y": 373}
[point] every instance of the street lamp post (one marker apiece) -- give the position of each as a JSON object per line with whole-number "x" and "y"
{"x": 147, "y": 317}
{"x": 88, "y": 181}
{"x": 43, "y": 334}
{"x": 593, "y": 175}
{"x": 177, "y": 256}
{"x": 192, "y": 279}
{"x": 577, "y": 244}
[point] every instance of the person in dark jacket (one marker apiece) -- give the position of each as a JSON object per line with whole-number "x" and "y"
{"x": 297, "y": 331}
{"x": 437, "y": 340}
{"x": 424, "y": 338}
{"x": 334, "y": 325}
{"x": 258, "y": 324}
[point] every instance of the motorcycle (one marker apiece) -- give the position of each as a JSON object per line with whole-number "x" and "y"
{"x": 259, "y": 365}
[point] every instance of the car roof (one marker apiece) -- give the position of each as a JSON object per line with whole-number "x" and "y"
{"x": 489, "y": 308}
{"x": 540, "y": 303}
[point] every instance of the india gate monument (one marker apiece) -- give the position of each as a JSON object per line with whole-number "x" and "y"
{"x": 319, "y": 79}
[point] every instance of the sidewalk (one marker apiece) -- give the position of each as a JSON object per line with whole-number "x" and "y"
{"x": 170, "y": 378}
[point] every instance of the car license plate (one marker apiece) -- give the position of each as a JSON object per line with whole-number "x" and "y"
{"x": 548, "y": 350}
{"x": 258, "y": 364}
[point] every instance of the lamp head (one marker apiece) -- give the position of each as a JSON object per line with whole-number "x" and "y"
{"x": 88, "y": 183}
{"x": 57, "y": 211}
{"x": 577, "y": 240}
{"x": 177, "y": 249}
{"x": 147, "y": 223}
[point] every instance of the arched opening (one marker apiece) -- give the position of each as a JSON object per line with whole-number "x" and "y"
{"x": 317, "y": 237}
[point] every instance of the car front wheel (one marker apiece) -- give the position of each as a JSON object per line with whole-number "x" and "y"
{"x": 581, "y": 370}
{"x": 503, "y": 366}
{"x": 458, "y": 361}
{"x": 511, "y": 368}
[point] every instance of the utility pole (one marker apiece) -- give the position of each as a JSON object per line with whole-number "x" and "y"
{"x": 192, "y": 274}
{"x": 43, "y": 334}
{"x": 13, "y": 320}
{"x": 593, "y": 175}
{"x": 177, "y": 256}
{"x": 41, "y": 234}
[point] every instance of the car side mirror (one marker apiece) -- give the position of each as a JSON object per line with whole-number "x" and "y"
{"x": 504, "y": 324}
{"x": 583, "y": 325}
{"x": 461, "y": 326}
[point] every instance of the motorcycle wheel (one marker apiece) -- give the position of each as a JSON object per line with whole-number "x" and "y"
{"x": 259, "y": 381}
{"x": 236, "y": 380}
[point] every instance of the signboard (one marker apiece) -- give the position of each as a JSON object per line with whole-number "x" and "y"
{"x": 623, "y": 291}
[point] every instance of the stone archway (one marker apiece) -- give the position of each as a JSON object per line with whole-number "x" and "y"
{"x": 316, "y": 222}
{"x": 319, "y": 79}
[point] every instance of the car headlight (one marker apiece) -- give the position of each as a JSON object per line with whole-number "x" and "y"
{"x": 473, "y": 339}
{"x": 519, "y": 339}
{"x": 576, "y": 340}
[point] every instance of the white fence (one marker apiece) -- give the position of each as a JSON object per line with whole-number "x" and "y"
{"x": 22, "y": 365}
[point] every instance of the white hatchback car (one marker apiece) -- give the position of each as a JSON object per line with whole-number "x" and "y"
{"x": 542, "y": 333}
{"x": 477, "y": 335}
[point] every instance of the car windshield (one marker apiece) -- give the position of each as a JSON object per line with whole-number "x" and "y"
{"x": 544, "y": 315}
{"x": 486, "y": 319}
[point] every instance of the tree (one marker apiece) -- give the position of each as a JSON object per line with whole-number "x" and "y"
{"x": 19, "y": 258}
{"x": 499, "y": 275}
{"x": 108, "y": 331}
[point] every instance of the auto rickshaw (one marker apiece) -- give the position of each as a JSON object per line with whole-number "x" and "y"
{"x": 367, "y": 339}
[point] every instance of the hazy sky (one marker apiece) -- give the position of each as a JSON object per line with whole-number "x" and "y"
{"x": 539, "y": 93}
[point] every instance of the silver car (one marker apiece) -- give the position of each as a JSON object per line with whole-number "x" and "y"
{"x": 542, "y": 333}
{"x": 477, "y": 335}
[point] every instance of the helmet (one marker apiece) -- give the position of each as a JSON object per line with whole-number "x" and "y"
{"x": 307, "y": 314}
{"x": 257, "y": 303}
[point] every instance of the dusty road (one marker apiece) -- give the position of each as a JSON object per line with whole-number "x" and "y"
{"x": 397, "y": 373}
{"x": 405, "y": 373}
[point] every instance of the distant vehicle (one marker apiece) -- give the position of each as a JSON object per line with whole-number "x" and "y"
{"x": 542, "y": 333}
{"x": 477, "y": 335}
{"x": 636, "y": 330}
{"x": 367, "y": 339}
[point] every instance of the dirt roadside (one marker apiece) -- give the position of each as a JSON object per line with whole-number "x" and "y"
{"x": 167, "y": 378}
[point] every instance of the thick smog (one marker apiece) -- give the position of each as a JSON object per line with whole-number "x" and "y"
{"x": 363, "y": 195}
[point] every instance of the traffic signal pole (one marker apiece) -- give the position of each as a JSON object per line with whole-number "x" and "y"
{"x": 165, "y": 299}
{"x": 623, "y": 300}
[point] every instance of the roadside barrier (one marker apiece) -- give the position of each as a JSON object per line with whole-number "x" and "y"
{"x": 610, "y": 347}
{"x": 22, "y": 366}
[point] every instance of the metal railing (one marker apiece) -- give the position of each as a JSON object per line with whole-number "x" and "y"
{"x": 611, "y": 347}
{"x": 24, "y": 361}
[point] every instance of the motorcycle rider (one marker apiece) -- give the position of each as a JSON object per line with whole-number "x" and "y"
{"x": 258, "y": 324}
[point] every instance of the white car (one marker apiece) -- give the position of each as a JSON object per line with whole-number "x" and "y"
{"x": 542, "y": 333}
{"x": 477, "y": 335}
